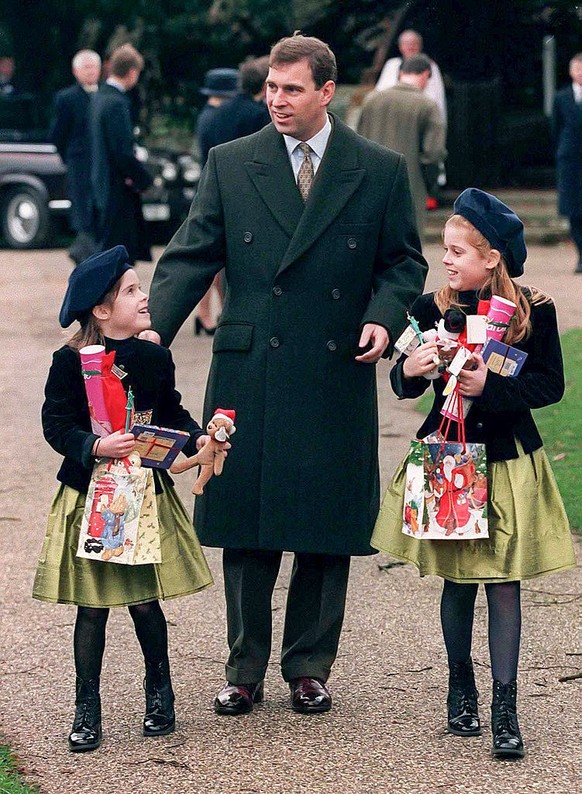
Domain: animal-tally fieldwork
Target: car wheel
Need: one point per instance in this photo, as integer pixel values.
(25, 218)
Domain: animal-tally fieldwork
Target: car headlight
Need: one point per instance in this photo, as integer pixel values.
(190, 168)
(169, 171)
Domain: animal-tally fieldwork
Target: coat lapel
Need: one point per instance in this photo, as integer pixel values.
(336, 180)
(272, 175)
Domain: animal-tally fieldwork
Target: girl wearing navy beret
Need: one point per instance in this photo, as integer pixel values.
(105, 297)
(529, 533)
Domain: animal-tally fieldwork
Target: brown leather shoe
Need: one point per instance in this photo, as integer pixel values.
(309, 696)
(234, 699)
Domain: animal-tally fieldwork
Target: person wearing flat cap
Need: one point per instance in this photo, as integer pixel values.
(104, 297)
(219, 85)
(529, 533)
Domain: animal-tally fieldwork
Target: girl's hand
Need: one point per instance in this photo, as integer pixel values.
(421, 361)
(117, 445)
(472, 381)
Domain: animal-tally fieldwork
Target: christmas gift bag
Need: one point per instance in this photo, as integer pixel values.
(120, 519)
(446, 488)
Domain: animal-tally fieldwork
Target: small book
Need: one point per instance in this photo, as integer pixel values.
(158, 447)
(503, 359)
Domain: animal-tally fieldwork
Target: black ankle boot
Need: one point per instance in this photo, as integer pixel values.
(507, 741)
(160, 718)
(86, 731)
(463, 714)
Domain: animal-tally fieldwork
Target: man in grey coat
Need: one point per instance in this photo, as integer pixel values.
(403, 118)
(315, 228)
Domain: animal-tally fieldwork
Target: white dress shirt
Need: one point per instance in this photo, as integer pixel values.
(317, 145)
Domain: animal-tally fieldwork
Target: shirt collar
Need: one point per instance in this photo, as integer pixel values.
(317, 143)
(116, 84)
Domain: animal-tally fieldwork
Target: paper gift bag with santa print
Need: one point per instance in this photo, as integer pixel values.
(453, 504)
(120, 523)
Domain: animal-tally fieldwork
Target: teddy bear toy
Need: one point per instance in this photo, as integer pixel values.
(211, 456)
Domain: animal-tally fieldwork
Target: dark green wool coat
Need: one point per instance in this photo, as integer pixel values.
(302, 474)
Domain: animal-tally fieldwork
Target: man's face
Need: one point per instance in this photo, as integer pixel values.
(88, 72)
(576, 71)
(296, 106)
(409, 45)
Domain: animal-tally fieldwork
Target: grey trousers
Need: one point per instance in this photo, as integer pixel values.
(313, 618)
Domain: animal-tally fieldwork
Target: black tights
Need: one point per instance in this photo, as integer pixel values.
(89, 636)
(457, 610)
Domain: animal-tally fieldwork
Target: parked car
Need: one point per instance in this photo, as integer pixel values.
(33, 195)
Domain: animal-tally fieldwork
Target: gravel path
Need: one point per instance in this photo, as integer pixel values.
(385, 733)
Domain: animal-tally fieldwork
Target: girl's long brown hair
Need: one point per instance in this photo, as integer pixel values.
(90, 332)
(499, 283)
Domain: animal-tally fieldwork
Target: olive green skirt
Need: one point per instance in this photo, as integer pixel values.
(64, 578)
(529, 532)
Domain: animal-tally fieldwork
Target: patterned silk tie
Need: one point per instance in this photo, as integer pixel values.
(305, 175)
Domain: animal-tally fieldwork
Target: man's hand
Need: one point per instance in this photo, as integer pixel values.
(377, 337)
(150, 336)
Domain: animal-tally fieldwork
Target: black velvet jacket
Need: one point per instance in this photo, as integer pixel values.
(503, 412)
(65, 412)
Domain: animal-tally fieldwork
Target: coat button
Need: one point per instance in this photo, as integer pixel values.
(336, 294)
(274, 342)
(248, 237)
(479, 425)
(277, 290)
(332, 345)
(352, 242)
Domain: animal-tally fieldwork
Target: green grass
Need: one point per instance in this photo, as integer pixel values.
(11, 781)
(560, 426)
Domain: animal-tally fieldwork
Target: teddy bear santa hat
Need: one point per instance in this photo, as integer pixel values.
(225, 413)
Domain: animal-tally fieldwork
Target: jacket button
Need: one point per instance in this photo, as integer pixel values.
(332, 345)
(336, 294)
(479, 425)
(352, 242)
(274, 342)
(248, 237)
(277, 290)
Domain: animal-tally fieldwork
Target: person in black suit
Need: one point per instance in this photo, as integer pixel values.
(117, 176)
(567, 130)
(70, 134)
(246, 112)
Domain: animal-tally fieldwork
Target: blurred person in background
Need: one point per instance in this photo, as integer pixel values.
(70, 134)
(567, 130)
(117, 176)
(220, 85)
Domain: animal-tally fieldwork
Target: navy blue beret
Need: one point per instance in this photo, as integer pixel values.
(498, 224)
(90, 281)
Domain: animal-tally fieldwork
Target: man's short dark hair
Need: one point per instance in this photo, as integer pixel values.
(253, 74)
(416, 64)
(296, 48)
(124, 59)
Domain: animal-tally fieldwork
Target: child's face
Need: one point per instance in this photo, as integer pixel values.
(467, 268)
(128, 315)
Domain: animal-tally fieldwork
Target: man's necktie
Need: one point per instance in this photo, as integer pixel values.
(305, 175)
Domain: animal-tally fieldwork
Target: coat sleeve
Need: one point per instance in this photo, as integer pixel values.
(193, 257)
(119, 140)
(540, 381)
(172, 413)
(399, 269)
(65, 413)
(62, 123)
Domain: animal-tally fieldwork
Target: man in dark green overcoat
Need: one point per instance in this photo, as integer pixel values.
(322, 261)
